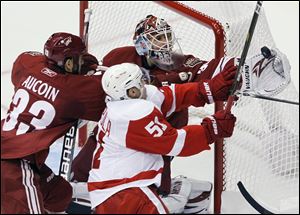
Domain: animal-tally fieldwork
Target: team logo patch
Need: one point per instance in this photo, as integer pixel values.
(191, 62)
(66, 41)
(48, 72)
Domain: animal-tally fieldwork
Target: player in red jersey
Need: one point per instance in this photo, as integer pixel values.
(51, 93)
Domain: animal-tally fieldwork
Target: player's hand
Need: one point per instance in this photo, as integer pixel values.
(90, 63)
(217, 89)
(219, 125)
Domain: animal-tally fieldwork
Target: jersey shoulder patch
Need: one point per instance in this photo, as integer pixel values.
(191, 61)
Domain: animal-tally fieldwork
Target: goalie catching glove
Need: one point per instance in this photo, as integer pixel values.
(219, 125)
(266, 74)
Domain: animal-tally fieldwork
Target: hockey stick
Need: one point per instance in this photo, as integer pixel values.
(251, 200)
(70, 137)
(87, 15)
(270, 98)
(243, 57)
(68, 152)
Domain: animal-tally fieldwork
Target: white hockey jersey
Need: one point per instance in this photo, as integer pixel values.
(133, 136)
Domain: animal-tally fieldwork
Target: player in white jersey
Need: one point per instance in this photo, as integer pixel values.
(134, 134)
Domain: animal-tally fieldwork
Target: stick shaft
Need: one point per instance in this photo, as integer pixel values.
(244, 55)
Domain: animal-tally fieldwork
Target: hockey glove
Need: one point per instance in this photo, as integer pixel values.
(217, 89)
(90, 64)
(219, 125)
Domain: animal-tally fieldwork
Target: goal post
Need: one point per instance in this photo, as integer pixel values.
(263, 152)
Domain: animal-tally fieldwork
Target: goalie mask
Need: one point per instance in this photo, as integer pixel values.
(125, 81)
(62, 46)
(155, 39)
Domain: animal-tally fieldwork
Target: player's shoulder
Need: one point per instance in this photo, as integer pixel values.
(120, 55)
(30, 58)
(123, 50)
(155, 95)
(132, 109)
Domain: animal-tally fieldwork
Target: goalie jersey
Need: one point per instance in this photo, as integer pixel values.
(133, 136)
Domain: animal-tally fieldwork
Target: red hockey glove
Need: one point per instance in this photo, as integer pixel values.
(90, 63)
(219, 125)
(217, 89)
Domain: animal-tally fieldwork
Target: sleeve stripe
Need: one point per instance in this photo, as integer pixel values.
(222, 63)
(179, 143)
(173, 107)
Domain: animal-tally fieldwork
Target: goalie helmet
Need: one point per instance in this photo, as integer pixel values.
(155, 39)
(118, 79)
(61, 46)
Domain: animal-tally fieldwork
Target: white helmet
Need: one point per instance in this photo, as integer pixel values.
(118, 79)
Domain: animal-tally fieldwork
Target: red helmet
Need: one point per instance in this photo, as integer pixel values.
(64, 45)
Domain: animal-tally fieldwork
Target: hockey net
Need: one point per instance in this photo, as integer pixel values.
(263, 152)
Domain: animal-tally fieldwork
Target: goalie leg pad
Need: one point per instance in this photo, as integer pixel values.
(178, 197)
(199, 198)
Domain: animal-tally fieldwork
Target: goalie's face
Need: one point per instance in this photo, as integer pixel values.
(165, 51)
(163, 40)
(155, 39)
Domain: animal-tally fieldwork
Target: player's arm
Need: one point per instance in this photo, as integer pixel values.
(87, 95)
(87, 90)
(177, 97)
(153, 134)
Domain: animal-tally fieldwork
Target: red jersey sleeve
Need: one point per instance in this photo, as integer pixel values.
(87, 95)
(153, 134)
(180, 96)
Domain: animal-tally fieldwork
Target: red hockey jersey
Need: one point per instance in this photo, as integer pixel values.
(45, 105)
